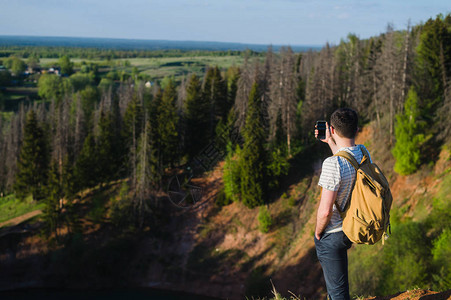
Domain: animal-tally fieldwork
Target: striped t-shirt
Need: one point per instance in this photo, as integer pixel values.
(338, 175)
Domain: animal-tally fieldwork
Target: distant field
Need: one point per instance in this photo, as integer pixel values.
(179, 66)
(158, 68)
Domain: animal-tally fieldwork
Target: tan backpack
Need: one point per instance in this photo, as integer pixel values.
(366, 216)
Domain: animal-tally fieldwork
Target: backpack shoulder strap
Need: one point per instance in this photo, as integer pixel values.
(349, 157)
(365, 152)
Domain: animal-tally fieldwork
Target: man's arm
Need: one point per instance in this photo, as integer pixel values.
(324, 211)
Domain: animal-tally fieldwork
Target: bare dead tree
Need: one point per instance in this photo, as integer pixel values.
(80, 127)
(320, 91)
(244, 87)
(389, 66)
(405, 65)
(445, 114)
(145, 172)
(125, 95)
(283, 94)
(14, 141)
(3, 155)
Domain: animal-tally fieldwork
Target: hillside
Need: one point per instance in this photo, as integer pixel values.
(206, 249)
(417, 294)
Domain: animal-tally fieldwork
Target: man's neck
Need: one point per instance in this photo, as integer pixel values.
(337, 142)
(344, 142)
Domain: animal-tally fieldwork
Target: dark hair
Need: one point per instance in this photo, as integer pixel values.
(345, 122)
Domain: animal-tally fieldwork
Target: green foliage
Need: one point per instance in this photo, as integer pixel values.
(365, 269)
(97, 210)
(107, 148)
(53, 194)
(33, 61)
(441, 253)
(252, 158)
(197, 113)
(121, 209)
(167, 120)
(80, 81)
(16, 65)
(106, 84)
(131, 130)
(401, 264)
(409, 132)
(33, 160)
(5, 78)
(231, 173)
(232, 76)
(89, 98)
(221, 199)
(86, 168)
(434, 56)
(52, 87)
(406, 258)
(67, 67)
(147, 177)
(278, 166)
(215, 93)
(166, 81)
(264, 219)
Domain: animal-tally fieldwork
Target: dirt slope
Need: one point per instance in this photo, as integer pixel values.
(416, 295)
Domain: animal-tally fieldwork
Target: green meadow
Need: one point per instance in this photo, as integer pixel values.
(159, 67)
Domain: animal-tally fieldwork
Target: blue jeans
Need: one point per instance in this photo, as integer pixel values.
(332, 252)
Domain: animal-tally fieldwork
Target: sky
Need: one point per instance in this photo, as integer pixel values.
(276, 22)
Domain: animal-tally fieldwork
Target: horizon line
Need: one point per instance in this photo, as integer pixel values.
(163, 40)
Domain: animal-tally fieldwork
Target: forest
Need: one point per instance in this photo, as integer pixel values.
(87, 131)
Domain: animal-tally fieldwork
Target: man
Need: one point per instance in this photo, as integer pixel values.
(337, 179)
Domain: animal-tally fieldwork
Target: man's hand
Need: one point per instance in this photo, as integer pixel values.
(318, 236)
(328, 135)
(329, 139)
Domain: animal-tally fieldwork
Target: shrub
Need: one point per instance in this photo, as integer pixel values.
(221, 199)
(264, 219)
(231, 174)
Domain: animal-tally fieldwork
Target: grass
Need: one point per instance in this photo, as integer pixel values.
(160, 67)
(278, 296)
(178, 67)
(10, 207)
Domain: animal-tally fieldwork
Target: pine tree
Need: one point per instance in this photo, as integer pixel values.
(434, 56)
(215, 93)
(67, 67)
(197, 112)
(252, 160)
(233, 75)
(409, 132)
(133, 123)
(167, 124)
(154, 131)
(86, 167)
(53, 194)
(33, 160)
(107, 149)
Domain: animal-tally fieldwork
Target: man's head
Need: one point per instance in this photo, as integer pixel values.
(345, 122)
